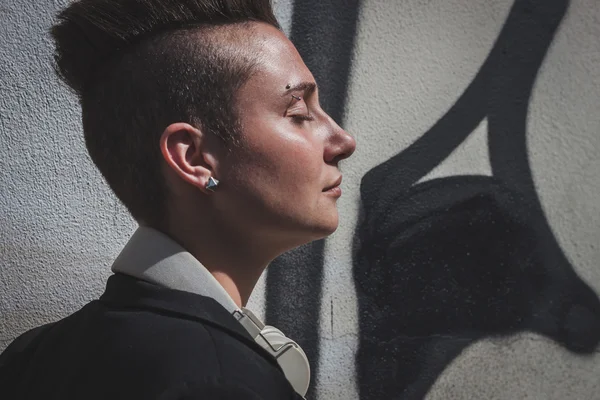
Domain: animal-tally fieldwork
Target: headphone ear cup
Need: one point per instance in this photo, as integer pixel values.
(273, 335)
(290, 357)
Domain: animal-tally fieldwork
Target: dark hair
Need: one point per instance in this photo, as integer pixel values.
(138, 66)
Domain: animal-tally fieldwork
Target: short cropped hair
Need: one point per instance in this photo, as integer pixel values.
(138, 66)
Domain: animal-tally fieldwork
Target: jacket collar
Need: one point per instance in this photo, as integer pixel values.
(125, 291)
(156, 258)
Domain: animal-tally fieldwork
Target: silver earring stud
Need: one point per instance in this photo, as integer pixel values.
(212, 184)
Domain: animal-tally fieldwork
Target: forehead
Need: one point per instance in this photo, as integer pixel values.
(278, 61)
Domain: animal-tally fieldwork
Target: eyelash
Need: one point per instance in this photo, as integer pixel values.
(302, 118)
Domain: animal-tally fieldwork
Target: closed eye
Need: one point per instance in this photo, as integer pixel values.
(302, 118)
(298, 110)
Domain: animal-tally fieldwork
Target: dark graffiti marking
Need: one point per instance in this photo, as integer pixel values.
(441, 264)
(323, 32)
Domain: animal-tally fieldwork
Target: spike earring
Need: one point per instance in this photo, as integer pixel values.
(212, 184)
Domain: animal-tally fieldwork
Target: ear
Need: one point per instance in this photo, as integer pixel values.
(190, 154)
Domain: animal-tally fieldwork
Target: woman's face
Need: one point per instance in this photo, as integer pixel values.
(276, 184)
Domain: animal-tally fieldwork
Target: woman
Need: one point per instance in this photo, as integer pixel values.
(205, 122)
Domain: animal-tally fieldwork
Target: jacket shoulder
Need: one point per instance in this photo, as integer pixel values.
(23, 342)
(196, 357)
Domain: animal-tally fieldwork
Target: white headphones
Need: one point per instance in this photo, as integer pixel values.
(289, 355)
(154, 257)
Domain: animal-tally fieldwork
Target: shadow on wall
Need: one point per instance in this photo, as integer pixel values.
(441, 264)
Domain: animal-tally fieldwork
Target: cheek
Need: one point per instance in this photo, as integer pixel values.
(279, 157)
(299, 167)
(287, 160)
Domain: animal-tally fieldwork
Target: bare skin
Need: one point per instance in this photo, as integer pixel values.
(273, 194)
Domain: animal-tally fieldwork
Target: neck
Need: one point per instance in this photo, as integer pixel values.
(236, 262)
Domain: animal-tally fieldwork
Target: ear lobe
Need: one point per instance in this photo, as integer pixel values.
(186, 151)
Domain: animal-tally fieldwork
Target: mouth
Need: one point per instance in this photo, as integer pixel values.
(334, 188)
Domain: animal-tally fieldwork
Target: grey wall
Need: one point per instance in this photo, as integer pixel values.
(466, 263)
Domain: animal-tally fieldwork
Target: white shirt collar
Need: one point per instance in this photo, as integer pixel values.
(154, 257)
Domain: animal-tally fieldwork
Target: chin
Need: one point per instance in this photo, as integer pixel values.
(310, 229)
(316, 233)
(326, 228)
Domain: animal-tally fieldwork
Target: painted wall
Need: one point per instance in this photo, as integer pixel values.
(466, 263)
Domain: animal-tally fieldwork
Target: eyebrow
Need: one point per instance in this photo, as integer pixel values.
(308, 87)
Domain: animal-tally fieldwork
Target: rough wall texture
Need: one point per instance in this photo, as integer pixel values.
(466, 263)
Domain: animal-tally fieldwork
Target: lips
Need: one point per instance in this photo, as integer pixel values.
(334, 184)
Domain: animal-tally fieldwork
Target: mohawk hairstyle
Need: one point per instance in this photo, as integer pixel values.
(138, 66)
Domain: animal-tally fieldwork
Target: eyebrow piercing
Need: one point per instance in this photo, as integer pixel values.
(297, 97)
(288, 86)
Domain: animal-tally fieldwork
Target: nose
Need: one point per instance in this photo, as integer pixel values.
(340, 144)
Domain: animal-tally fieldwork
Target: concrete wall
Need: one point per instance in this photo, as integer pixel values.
(466, 263)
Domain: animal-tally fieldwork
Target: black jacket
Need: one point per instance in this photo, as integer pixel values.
(142, 341)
